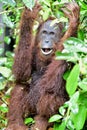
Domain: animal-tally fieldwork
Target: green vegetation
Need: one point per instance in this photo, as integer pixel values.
(73, 114)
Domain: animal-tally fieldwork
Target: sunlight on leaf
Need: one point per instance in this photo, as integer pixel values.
(55, 118)
(5, 71)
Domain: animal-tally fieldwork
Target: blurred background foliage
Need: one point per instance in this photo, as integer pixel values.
(73, 114)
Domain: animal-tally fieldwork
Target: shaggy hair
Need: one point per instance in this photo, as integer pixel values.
(40, 88)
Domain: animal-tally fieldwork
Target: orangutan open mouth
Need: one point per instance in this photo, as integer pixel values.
(46, 51)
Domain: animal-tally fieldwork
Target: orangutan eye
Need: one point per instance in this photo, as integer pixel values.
(44, 32)
(52, 33)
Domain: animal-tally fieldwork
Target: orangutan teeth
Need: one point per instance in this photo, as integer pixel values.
(46, 51)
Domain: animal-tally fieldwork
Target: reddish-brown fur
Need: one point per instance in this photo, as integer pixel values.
(45, 93)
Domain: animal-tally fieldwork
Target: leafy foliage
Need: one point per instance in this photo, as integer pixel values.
(29, 121)
(73, 114)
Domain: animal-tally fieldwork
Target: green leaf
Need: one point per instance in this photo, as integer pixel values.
(1, 51)
(74, 108)
(1, 31)
(2, 86)
(73, 57)
(83, 98)
(29, 3)
(55, 3)
(62, 126)
(72, 80)
(7, 40)
(10, 2)
(75, 45)
(83, 5)
(62, 110)
(45, 12)
(46, 2)
(79, 119)
(62, 56)
(81, 34)
(11, 78)
(5, 71)
(4, 108)
(70, 125)
(74, 98)
(59, 0)
(55, 127)
(3, 60)
(29, 120)
(66, 74)
(55, 118)
(83, 84)
(7, 21)
(9, 54)
(73, 102)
